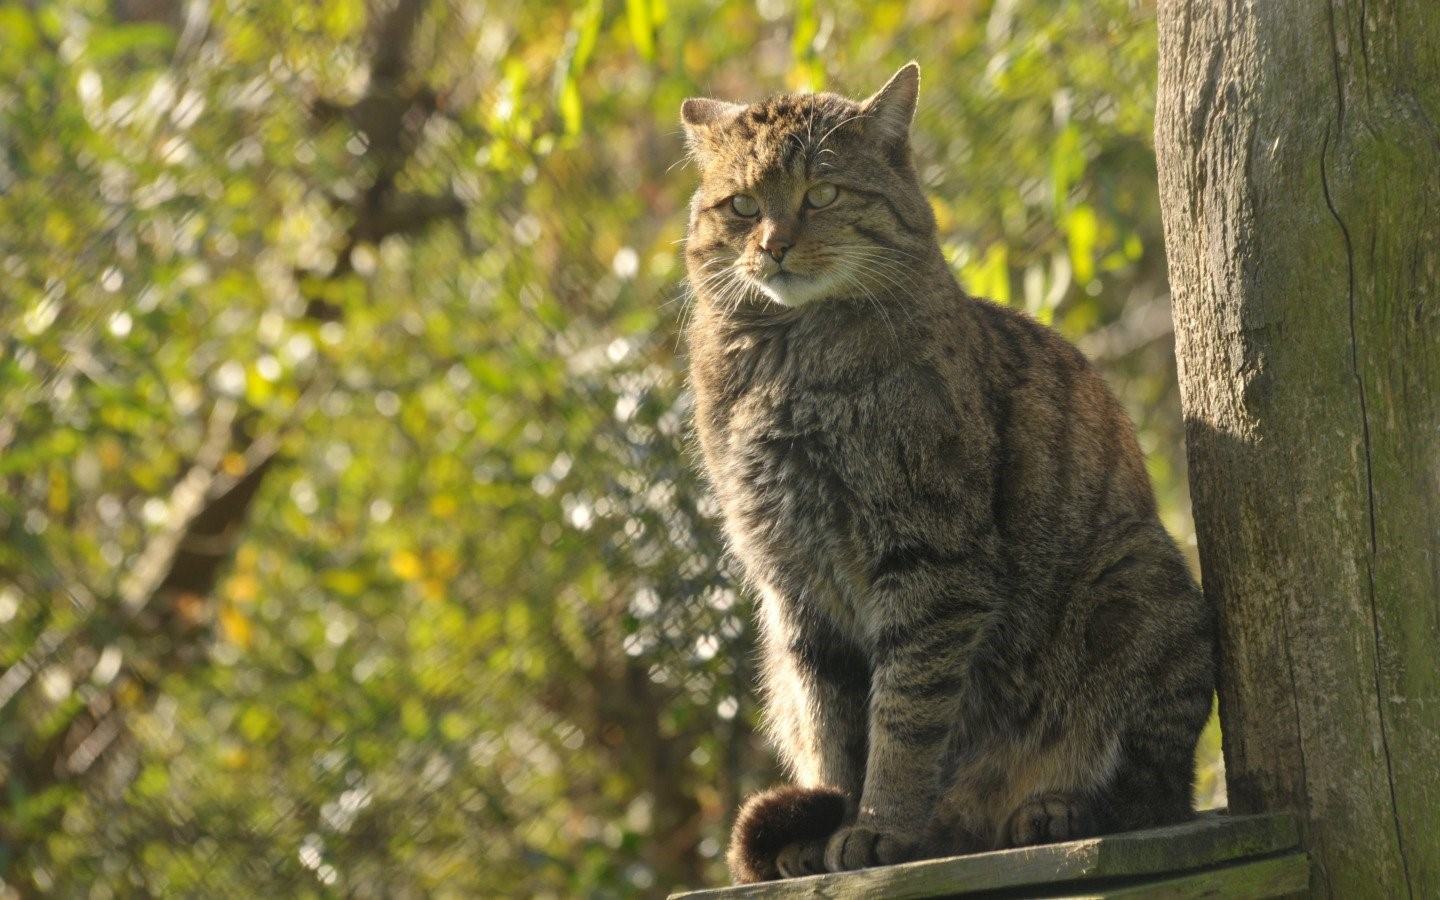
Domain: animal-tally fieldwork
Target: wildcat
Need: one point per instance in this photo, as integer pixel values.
(975, 631)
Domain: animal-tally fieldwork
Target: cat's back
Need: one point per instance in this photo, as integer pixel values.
(1066, 452)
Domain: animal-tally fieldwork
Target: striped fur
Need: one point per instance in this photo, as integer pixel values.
(974, 626)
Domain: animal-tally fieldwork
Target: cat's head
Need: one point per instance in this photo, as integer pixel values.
(806, 197)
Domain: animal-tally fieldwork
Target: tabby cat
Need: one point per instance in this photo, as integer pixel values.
(976, 632)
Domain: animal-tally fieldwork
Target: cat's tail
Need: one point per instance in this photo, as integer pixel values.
(771, 820)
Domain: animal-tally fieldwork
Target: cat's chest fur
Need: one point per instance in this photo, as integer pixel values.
(815, 438)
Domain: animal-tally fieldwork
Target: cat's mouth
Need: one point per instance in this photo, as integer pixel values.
(790, 288)
(782, 284)
(781, 274)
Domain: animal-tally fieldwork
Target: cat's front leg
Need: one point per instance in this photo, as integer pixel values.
(816, 711)
(817, 684)
(920, 671)
(826, 744)
(909, 729)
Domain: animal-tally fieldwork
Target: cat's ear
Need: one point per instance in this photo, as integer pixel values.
(890, 109)
(702, 112)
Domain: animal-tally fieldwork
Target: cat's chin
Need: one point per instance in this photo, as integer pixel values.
(792, 289)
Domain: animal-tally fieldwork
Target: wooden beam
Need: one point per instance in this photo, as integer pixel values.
(1230, 856)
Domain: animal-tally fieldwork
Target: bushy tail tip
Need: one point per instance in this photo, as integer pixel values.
(771, 820)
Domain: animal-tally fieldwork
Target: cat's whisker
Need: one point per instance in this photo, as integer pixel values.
(879, 248)
(705, 284)
(899, 275)
(886, 264)
(722, 271)
(860, 272)
(845, 121)
(726, 289)
(876, 248)
(871, 268)
(798, 142)
(718, 263)
(902, 278)
(743, 292)
(873, 301)
(812, 158)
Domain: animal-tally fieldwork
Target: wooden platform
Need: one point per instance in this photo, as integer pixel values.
(1217, 855)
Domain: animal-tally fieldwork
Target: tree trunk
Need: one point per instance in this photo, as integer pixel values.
(1299, 160)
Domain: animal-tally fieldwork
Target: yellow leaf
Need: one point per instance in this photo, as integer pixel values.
(944, 218)
(989, 277)
(57, 228)
(234, 758)
(1081, 229)
(572, 109)
(443, 506)
(236, 627)
(444, 563)
(59, 499)
(642, 27)
(406, 565)
(244, 587)
(233, 464)
(344, 582)
(256, 723)
(413, 718)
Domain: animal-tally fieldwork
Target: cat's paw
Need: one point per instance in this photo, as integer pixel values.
(1049, 818)
(862, 846)
(801, 858)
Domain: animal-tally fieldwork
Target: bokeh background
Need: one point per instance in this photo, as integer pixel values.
(351, 541)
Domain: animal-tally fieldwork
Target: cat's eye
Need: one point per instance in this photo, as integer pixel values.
(744, 205)
(822, 194)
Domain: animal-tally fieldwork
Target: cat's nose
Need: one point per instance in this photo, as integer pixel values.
(776, 245)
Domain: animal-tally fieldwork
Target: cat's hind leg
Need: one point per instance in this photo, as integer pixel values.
(1150, 651)
(1136, 689)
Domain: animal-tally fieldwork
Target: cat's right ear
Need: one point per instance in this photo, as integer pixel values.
(893, 106)
(699, 114)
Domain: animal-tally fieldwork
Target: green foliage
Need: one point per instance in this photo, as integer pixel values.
(474, 632)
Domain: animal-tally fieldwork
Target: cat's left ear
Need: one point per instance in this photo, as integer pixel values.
(700, 113)
(891, 108)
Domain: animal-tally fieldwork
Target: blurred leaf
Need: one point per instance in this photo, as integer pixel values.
(17, 29)
(115, 41)
(990, 276)
(406, 565)
(1081, 230)
(639, 13)
(236, 626)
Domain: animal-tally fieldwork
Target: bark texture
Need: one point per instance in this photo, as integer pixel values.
(1299, 162)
